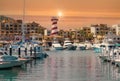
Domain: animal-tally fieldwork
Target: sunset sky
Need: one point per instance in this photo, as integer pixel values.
(91, 9)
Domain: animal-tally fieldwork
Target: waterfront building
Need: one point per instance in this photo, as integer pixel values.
(117, 28)
(87, 30)
(111, 37)
(100, 30)
(11, 29)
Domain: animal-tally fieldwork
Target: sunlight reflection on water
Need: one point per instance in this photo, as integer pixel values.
(64, 66)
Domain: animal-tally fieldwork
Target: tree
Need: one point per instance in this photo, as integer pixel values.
(82, 35)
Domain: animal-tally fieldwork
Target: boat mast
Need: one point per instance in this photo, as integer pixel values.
(23, 21)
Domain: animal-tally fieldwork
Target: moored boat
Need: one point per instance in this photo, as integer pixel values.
(56, 45)
(8, 61)
(68, 45)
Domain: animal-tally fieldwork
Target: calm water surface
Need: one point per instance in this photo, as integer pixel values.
(64, 66)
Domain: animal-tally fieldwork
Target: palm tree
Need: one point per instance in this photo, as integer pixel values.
(82, 35)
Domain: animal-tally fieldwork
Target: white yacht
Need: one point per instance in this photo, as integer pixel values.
(56, 45)
(69, 45)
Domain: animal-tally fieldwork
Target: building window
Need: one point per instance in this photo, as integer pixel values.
(11, 25)
(7, 28)
(15, 31)
(2, 31)
(32, 25)
(32, 28)
(32, 32)
(28, 26)
(11, 31)
(7, 32)
(11, 28)
(15, 28)
(28, 32)
(19, 25)
(7, 25)
(97, 29)
(84, 29)
(15, 25)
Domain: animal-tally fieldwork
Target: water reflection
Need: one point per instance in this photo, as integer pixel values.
(111, 72)
(72, 67)
(10, 74)
(64, 66)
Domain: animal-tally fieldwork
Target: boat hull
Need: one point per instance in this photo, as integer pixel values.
(97, 50)
(117, 62)
(104, 58)
(82, 48)
(4, 65)
(71, 47)
(59, 48)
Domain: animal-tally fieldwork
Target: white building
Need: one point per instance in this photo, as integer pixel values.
(117, 27)
(111, 37)
(94, 30)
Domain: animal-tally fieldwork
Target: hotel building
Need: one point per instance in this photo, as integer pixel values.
(117, 28)
(12, 30)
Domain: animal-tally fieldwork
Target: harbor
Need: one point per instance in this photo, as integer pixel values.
(60, 60)
(57, 40)
(64, 66)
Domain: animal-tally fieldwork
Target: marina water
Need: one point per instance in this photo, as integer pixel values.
(64, 66)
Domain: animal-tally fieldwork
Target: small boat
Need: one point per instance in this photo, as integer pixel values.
(7, 61)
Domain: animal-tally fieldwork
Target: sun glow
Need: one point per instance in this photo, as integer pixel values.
(60, 14)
